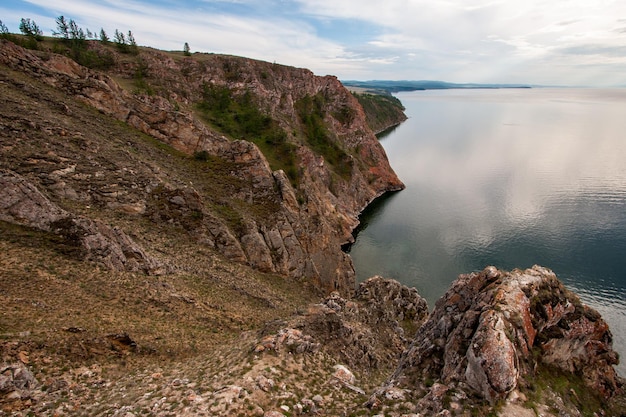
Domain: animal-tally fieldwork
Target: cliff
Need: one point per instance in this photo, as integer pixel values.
(383, 111)
(518, 339)
(289, 207)
(170, 235)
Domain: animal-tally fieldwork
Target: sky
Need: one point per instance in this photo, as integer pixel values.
(556, 42)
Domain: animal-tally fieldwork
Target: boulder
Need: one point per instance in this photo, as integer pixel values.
(22, 203)
(17, 384)
(492, 329)
(367, 333)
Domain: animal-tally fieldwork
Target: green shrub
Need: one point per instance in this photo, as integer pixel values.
(239, 117)
(380, 109)
(311, 113)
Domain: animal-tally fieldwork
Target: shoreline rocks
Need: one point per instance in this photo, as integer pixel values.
(491, 332)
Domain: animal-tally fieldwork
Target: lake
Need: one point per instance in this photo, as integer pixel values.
(511, 178)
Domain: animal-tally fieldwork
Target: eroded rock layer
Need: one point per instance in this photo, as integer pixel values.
(290, 223)
(492, 329)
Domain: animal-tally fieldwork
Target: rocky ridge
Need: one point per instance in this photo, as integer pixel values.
(181, 321)
(22, 203)
(493, 331)
(483, 350)
(303, 235)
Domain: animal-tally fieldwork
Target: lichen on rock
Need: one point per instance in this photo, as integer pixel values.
(22, 203)
(492, 329)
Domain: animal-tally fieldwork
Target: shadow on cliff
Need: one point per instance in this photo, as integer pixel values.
(369, 215)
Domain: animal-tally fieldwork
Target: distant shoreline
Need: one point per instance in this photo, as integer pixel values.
(390, 87)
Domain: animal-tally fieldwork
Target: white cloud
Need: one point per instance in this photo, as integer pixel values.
(456, 40)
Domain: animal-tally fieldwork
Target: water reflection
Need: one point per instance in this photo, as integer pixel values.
(370, 215)
(387, 132)
(507, 178)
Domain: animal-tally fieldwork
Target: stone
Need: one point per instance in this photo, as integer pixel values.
(273, 414)
(264, 383)
(17, 383)
(121, 342)
(229, 393)
(482, 332)
(394, 394)
(22, 203)
(343, 374)
(308, 406)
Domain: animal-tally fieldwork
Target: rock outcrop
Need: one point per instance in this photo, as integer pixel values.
(303, 223)
(16, 386)
(23, 204)
(491, 331)
(368, 332)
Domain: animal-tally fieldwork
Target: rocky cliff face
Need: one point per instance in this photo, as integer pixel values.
(124, 170)
(22, 203)
(492, 332)
(276, 223)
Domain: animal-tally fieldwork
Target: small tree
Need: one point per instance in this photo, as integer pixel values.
(62, 28)
(29, 28)
(104, 38)
(120, 39)
(186, 50)
(77, 34)
(4, 31)
(132, 43)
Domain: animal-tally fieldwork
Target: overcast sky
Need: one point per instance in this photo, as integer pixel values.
(550, 42)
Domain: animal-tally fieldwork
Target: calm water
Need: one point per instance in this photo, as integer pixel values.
(509, 178)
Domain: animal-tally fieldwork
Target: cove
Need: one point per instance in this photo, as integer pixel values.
(510, 178)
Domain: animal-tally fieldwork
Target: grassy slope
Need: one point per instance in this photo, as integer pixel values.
(382, 111)
(45, 288)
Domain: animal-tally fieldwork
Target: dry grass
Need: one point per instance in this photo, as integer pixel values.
(58, 312)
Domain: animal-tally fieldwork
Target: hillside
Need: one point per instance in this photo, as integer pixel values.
(128, 211)
(171, 231)
(291, 207)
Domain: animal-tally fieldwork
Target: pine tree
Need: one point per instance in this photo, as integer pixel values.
(77, 34)
(3, 29)
(63, 28)
(29, 28)
(104, 38)
(120, 39)
(186, 50)
(132, 43)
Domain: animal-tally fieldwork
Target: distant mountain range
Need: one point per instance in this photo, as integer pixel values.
(406, 85)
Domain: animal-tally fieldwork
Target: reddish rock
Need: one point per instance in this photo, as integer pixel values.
(491, 329)
(314, 220)
(22, 203)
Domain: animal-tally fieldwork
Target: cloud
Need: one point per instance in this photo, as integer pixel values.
(455, 40)
(597, 50)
